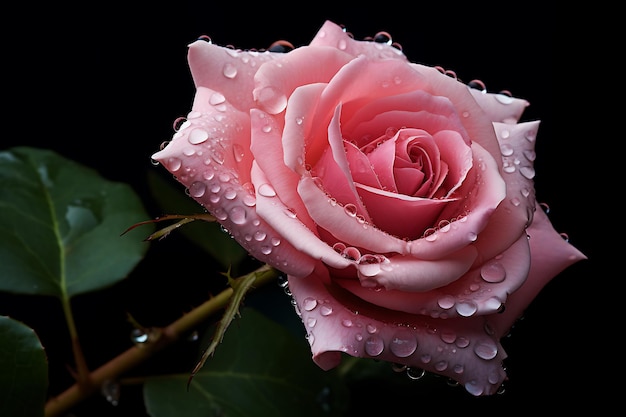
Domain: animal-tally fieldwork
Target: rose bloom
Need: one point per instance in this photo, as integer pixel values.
(398, 200)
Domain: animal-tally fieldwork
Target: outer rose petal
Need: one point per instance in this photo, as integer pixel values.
(208, 157)
(228, 71)
(550, 255)
(500, 107)
(333, 35)
(458, 348)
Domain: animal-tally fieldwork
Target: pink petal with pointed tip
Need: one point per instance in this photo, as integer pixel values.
(331, 34)
(276, 81)
(515, 213)
(550, 255)
(228, 71)
(500, 107)
(336, 325)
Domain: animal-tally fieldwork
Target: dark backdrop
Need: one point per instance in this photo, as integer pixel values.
(101, 83)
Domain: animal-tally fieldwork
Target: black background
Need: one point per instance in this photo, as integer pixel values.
(101, 83)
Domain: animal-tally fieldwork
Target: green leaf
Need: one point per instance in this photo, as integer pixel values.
(23, 370)
(61, 225)
(207, 235)
(260, 369)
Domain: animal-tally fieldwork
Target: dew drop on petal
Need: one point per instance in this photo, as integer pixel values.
(493, 272)
(271, 100)
(309, 303)
(238, 215)
(229, 71)
(486, 350)
(197, 189)
(374, 345)
(403, 344)
(466, 308)
(267, 190)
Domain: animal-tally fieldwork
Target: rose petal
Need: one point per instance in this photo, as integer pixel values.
(484, 189)
(473, 117)
(229, 71)
(334, 171)
(291, 229)
(268, 155)
(277, 80)
(405, 273)
(515, 213)
(550, 254)
(457, 348)
(359, 82)
(331, 34)
(400, 215)
(417, 109)
(343, 225)
(500, 107)
(483, 290)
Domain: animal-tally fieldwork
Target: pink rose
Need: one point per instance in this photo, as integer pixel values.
(399, 201)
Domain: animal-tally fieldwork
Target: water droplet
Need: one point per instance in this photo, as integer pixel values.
(326, 310)
(291, 213)
(374, 345)
(403, 344)
(383, 37)
(271, 100)
(309, 303)
(528, 172)
(448, 336)
(446, 302)
(493, 272)
(478, 85)
(346, 322)
(217, 98)
(441, 366)
(229, 71)
(197, 189)
(462, 342)
(466, 308)
(311, 321)
(473, 388)
(415, 373)
(266, 190)
(350, 209)
(503, 98)
(238, 215)
(486, 350)
(173, 164)
(111, 391)
(281, 46)
(178, 123)
(506, 149)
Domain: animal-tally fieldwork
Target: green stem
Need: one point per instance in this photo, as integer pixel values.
(134, 356)
(82, 371)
